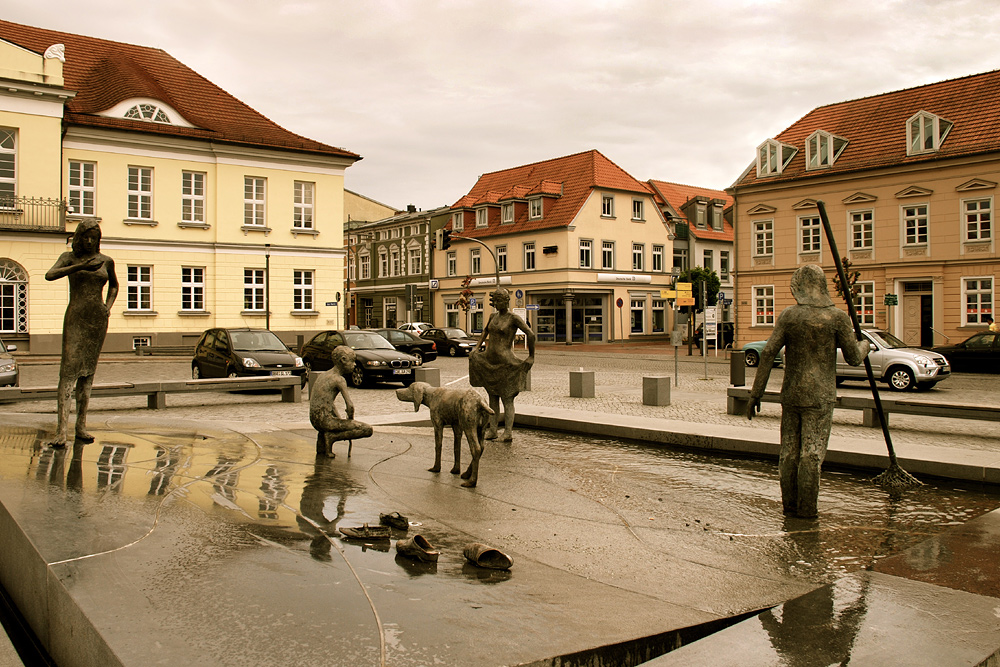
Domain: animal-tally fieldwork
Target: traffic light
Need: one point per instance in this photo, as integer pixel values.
(445, 239)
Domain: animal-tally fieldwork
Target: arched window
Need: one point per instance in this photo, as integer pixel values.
(13, 297)
(149, 112)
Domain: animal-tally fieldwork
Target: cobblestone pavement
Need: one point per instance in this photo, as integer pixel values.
(699, 395)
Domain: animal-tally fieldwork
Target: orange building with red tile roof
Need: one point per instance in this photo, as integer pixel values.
(909, 180)
(214, 214)
(573, 237)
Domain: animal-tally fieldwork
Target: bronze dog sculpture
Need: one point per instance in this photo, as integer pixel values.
(464, 410)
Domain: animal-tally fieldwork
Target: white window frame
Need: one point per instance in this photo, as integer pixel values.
(507, 213)
(303, 290)
(82, 187)
(658, 314)
(861, 227)
(193, 197)
(638, 256)
(535, 208)
(395, 266)
(416, 263)
(140, 193)
(303, 206)
(383, 263)
(773, 156)
(253, 290)
(864, 302)
(458, 221)
(763, 238)
(915, 224)
(482, 218)
(925, 133)
(763, 305)
(608, 255)
(452, 263)
(139, 287)
(254, 201)
(637, 325)
(823, 149)
(528, 256)
(977, 298)
(978, 222)
(638, 210)
(586, 253)
(657, 259)
(724, 264)
(8, 147)
(708, 259)
(366, 266)
(607, 206)
(810, 234)
(193, 288)
(501, 251)
(475, 262)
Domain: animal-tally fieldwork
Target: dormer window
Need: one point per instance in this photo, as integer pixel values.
(773, 156)
(535, 208)
(457, 221)
(822, 149)
(482, 217)
(925, 133)
(149, 112)
(507, 214)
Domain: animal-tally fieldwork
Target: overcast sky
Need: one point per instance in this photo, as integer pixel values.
(433, 93)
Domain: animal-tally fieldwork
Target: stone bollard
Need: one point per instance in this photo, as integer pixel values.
(431, 376)
(656, 390)
(737, 368)
(581, 384)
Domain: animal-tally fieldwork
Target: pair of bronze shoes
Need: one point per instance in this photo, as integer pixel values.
(476, 553)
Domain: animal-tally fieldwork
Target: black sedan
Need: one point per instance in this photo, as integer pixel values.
(415, 346)
(377, 360)
(977, 354)
(450, 340)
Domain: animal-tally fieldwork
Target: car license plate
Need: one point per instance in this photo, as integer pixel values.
(401, 371)
(281, 372)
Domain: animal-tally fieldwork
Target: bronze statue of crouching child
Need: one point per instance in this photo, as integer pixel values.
(323, 413)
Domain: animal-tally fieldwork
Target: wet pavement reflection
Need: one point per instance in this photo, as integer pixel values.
(560, 504)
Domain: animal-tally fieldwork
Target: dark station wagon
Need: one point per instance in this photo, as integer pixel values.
(376, 359)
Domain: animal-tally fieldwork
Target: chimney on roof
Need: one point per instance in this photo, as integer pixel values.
(410, 208)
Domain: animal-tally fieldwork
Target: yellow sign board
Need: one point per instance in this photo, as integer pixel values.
(685, 301)
(684, 289)
(668, 294)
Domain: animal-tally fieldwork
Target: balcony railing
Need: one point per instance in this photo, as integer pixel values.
(32, 213)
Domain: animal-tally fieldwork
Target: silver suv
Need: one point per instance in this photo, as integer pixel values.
(896, 363)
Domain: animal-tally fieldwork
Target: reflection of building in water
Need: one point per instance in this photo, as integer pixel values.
(273, 493)
(224, 482)
(111, 465)
(167, 463)
(323, 503)
(50, 466)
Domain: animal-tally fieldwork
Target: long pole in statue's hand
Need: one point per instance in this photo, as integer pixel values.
(894, 477)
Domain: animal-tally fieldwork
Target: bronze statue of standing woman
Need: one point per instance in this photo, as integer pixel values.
(84, 325)
(493, 366)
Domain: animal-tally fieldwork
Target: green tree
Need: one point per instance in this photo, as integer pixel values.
(852, 280)
(696, 276)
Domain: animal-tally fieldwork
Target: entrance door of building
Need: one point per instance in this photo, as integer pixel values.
(918, 313)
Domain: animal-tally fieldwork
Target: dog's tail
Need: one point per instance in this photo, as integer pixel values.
(484, 407)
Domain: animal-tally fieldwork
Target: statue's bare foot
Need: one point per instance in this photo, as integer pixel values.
(58, 443)
(490, 435)
(506, 437)
(83, 436)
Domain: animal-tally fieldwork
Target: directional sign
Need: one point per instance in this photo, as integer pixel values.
(532, 306)
(684, 289)
(668, 294)
(685, 301)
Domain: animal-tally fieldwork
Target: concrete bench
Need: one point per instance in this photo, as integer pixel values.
(166, 350)
(736, 404)
(156, 392)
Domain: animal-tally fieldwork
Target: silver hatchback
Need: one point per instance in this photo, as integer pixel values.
(894, 362)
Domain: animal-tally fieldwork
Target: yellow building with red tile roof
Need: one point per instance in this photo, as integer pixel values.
(571, 238)
(214, 215)
(909, 180)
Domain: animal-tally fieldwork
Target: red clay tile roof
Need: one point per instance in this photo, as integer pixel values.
(104, 73)
(564, 183)
(676, 195)
(875, 127)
